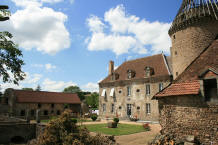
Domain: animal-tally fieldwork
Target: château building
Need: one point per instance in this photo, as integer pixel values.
(127, 91)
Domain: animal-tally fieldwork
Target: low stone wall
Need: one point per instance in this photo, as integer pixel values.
(202, 122)
(22, 131)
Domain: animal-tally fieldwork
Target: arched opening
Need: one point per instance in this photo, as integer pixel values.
(17, 139)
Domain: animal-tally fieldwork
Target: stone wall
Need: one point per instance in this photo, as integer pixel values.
(187, 44)
(23, 132)
(137, 99)
(190, 119)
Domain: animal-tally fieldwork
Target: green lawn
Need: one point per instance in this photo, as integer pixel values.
(122, 129)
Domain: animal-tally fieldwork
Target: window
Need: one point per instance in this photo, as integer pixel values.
(52, 111)
(175, 52)
(58, 112)
(177, 73)
(210, 90)
(104, 107)
(138, 90)
(120, 107)
(128, 91)
(120, 91)
(32, 112)
(39, 105)
(129, 75)
(45, 112)
(52, 105)
(149, 71)
(112, 108)
(160, 86)
(22, 113)
(148, 108)
(174, 36)
(148, 89)
(138, 108)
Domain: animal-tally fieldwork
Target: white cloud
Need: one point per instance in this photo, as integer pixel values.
(49, 66)
(26, 3)
(39, 28)
(56, 86)
(31, 79)
(122, 33)
(91, 87)
(72, 1)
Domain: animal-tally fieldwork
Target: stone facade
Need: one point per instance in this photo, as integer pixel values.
(187, 44)
(26, 104)
(138, 100)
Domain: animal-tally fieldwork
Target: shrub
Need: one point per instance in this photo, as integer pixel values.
(63, 131)
(94, 117)
(112, 124)
(146, 127)
(74, 120)
(116, 120)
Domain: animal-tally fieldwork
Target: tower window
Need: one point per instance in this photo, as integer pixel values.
(175, 52)
(210, 90)
(177, 73)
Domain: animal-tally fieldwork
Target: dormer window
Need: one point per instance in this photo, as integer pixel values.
(130, 74)
(114, 76)
(149, 71)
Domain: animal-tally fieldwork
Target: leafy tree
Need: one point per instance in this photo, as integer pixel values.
(75, 89)
(28, 89)
(38, 88)
(92, 100)
(64, 131)
(72, 89)
(9, 54)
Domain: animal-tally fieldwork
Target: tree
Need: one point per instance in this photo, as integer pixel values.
(28, 89)
(75, 89)
(72, 89)
(38, 88)
(10, 62)
(92, 100)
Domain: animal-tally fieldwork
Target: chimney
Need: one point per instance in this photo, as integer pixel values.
(111, 67)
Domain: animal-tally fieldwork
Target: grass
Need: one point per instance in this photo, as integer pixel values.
(79, 120)
(122, 129)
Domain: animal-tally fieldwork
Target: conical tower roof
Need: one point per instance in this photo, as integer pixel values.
(194, 11)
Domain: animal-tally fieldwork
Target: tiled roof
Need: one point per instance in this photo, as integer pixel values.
(206, 60)
(188, 88)
(45, 97)
(157, 62)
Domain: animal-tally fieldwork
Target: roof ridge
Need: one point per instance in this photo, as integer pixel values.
(142, 58)
(43, 91)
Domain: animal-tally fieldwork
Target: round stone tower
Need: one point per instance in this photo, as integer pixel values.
(194, 28)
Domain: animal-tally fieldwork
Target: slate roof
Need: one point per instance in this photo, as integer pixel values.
(187, 88)
(45, 97)
(158, 62)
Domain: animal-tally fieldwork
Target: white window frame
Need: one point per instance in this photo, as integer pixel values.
(104, 107)
(112, 92)
(160, 87)
(103, 93)
(148, 108)
(128, 91)
(148, 89)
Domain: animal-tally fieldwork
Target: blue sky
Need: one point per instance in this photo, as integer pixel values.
(70, 42)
